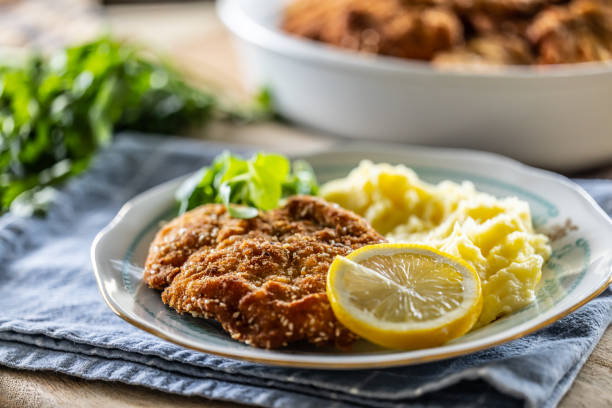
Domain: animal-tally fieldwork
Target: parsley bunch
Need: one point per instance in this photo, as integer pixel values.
(55, 112)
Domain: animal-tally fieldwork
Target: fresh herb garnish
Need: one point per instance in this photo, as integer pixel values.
(56, 112)
(258, 183)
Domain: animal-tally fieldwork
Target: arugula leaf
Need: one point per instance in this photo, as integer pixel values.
(258, 183)
(267, 172)
(235, 211)
(192, 192)
(304, 180)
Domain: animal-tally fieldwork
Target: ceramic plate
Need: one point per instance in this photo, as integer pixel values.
(580, 266)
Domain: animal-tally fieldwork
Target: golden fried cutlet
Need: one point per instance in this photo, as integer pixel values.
(263, 278)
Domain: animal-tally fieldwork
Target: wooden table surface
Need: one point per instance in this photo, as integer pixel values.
(191, 34)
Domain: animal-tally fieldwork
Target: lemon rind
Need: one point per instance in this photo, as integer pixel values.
(406, 334)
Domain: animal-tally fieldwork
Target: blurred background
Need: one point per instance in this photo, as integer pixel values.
(185, 32)
(74, 73)
(542, 121)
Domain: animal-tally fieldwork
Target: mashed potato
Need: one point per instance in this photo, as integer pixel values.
(494, 235)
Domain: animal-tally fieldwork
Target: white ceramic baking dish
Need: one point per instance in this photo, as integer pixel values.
(558, 117)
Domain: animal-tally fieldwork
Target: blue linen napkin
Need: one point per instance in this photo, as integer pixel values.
(53, 318)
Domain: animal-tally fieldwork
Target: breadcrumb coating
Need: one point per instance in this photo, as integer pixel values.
(263, 278)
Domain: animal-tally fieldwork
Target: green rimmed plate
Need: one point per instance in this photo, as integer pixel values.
(580, 266)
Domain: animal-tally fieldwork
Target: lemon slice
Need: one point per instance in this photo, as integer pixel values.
(404, 296)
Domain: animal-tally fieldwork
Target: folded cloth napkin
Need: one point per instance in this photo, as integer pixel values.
(53, 317)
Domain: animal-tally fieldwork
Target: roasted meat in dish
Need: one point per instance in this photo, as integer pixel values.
(387, 27)
(578, 32)
(461, 32)
(499, 7)
(263, 278)
(488, 50)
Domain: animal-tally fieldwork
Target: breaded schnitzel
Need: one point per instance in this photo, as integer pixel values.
(263, 278)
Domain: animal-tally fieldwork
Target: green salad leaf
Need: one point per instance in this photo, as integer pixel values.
(56, 111)
(246, 186)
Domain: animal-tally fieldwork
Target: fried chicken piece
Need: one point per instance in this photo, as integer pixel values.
(578, 32)
(484, 24)
(501, 7)
(493, 8)
(387, 27)
(493, 40)
(263, 278)
(495, 49)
